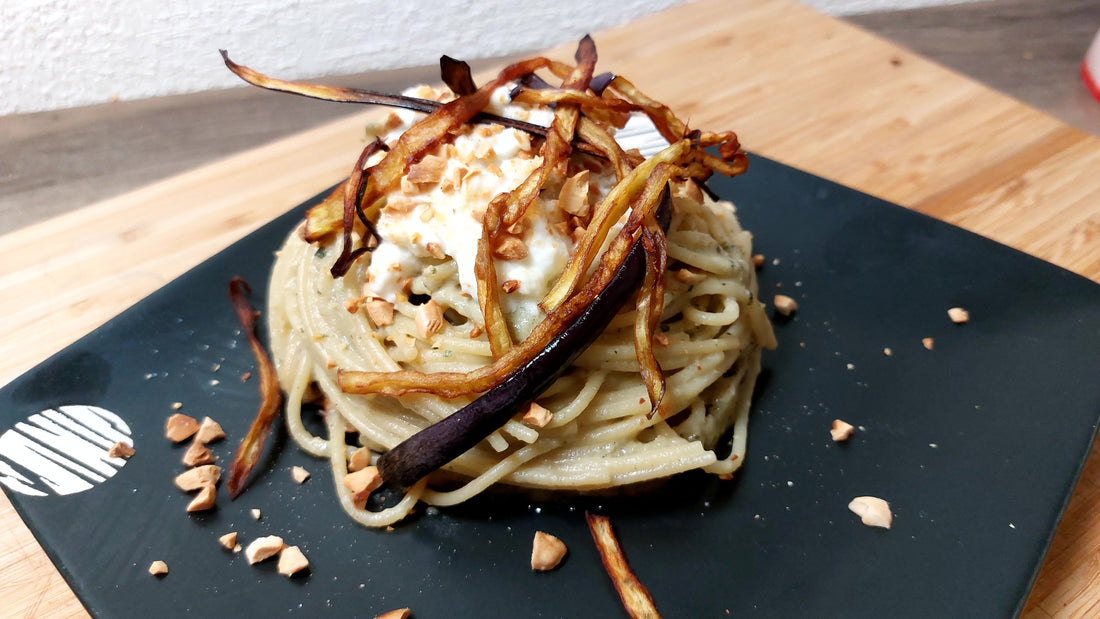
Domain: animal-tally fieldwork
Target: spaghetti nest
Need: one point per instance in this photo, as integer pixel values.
(600, 435)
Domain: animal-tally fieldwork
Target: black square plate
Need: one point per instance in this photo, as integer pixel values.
(976, 444)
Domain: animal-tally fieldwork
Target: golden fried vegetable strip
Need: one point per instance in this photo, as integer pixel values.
(488, 297)
(248, 453)
(636, 598)
(651, 301)
(546, 96)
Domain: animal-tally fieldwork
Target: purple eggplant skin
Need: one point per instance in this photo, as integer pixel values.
(429, 449)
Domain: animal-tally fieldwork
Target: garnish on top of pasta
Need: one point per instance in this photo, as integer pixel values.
(500, 294)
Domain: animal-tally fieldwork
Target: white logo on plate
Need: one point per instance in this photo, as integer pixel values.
(62, 451)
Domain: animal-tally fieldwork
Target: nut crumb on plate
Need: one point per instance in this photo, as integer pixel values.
(958, 315)
(291, 561)
(204, 500)
(362, 483)
(158, 568)
(197, 454)
(120, 450)
(196, 478)
(359, 459)
(209, 431)
(872, 511)
(255, 513)
(547, 552)
(537, 416)
(400, 613)
(299, 474)
(180, 427)
(785, 305)
(841, 430)
(229, 540)
(928, 343)
(263, 548)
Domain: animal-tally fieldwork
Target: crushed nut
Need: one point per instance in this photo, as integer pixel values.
(785, 305)
(427, 170)
(177, 405)
(509, 286)
(475, 332)
(291, 561)
(398, 205)
(546, 552)
(255, 513)
(197, 454)
(841, 430)
(873, 511)
(958, 315)
(196, 478)
(204, 500)
(758, 260)
(180, 427)
(352, 305)
(400, 613)
(573, 198)
(263, 548)
(158, 568)
(510, 248)
(380, 312)
(685, 276)
(435, 251)
(120, 450)
(537, 416)
(299, 474)
(229, 540)
(359, 459)
(661, 339)
(928, 343)
(887, 351)
(209, 431)
(429, 319)
(361, 483)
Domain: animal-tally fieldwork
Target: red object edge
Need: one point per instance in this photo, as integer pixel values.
(1089, 80)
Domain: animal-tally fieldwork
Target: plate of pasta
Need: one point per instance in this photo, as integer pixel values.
(610, 345)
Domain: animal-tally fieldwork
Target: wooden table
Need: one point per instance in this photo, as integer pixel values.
(797, 86)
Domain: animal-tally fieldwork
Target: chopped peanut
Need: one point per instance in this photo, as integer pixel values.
(400, 613)
(209, 431)
(120, 450)
(841, 430)
(180, 427)
(361, 483)
(196, 478)
(758, 260)
(546, 552)
(255, 513)
(204, 500)
(685, 276)
(573, 198)
(177, 405)
(510, 248)
(887, 351)
(537, 416)
(229, 540)
(435, 251)
(158, 568)
(359, 459)
(873, 511)
(509, 286)
(928, 343)
(958, 315)
(661, 339)
(427, 170)
(352, 305)
(429, 319)
(380, 312)
(785, 305)
(299, 474)
(291, 561)
(197, 454)
(475, 332)
(263, 548)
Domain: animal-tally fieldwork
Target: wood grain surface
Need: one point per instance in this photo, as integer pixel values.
(797, 86)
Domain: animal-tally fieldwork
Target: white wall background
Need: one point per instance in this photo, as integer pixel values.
(65, 53)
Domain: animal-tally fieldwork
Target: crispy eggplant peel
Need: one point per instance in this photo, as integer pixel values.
(588, 108)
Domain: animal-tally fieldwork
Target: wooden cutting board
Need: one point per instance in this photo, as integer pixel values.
(797, 86)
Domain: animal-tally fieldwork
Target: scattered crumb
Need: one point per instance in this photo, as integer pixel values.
(547, 552)
(775, 261)
(958, 315)
(196, 478)
(758, 260)
(204, 500)
(291, 561)
(928, 343)
(872, 511)
(841, 430)
(299, 474)
(851, 366)
(785, 305)
(887, 352)
(246, 376)
(197, 454)
(177, 405)
(255, 513)
(361, 483)
(263, 548)
(229, 540)
(209, 431)
(120, 450)
(158, 568)
(359, 459)
(537, 416)
(400, 613)
(180, 427)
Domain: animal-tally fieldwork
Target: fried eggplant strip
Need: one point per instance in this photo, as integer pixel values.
(248, 453)
(651, 298)
(549, 96)
(635, 597)
(454, 384)
(456, 75)
(353, 188)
